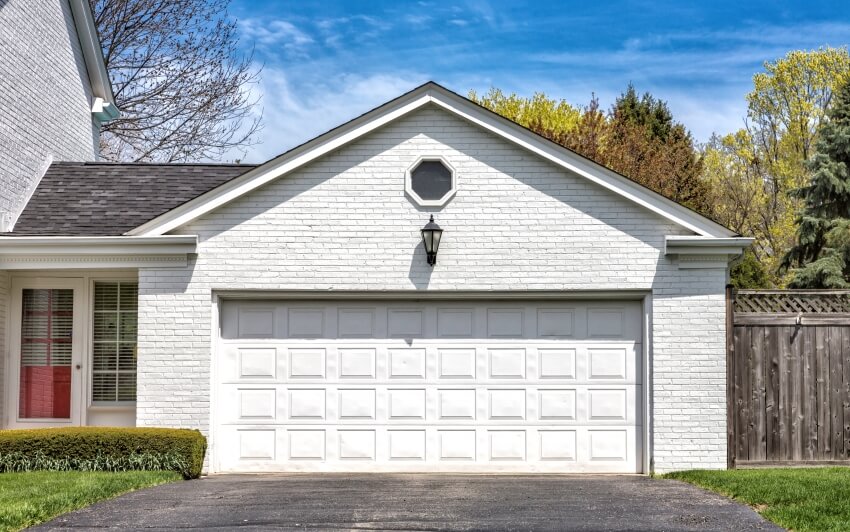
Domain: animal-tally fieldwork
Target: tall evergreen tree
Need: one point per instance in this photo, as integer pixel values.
(821, 256)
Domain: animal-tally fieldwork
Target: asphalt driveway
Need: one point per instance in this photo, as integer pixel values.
(419, 502)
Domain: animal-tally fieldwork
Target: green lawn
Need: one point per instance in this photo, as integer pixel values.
(30, 498)
(799, 499)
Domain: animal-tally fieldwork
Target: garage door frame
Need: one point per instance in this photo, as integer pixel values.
(218, 296)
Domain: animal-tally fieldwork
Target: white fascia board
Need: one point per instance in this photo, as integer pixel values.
(700, 245)
(580, 165)
(57, 252)
(432, 93)
(93, 56)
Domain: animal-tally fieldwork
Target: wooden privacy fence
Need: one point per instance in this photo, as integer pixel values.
(788, 377)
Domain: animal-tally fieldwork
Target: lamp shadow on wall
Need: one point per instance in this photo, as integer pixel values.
(420, 271)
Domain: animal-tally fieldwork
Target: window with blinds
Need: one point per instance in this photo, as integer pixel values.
(116, 305)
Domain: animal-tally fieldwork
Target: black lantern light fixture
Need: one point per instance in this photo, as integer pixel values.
(431, 234)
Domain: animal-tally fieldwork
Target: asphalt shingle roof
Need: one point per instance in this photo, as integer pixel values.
(102, 199)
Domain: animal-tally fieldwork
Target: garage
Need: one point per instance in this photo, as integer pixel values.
(548, 386)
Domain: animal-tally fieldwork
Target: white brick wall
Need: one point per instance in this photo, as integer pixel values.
(45, 97)
(4, 303)
(516, 223)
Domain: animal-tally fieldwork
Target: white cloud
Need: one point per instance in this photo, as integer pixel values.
(296, 112)
(275, 32)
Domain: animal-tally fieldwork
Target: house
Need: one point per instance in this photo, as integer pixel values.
(570, 321)
(54, 94)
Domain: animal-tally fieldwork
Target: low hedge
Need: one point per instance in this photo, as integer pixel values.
(103, 449)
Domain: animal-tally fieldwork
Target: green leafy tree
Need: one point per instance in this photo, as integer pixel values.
(638, 138)
(821, 256)
(752, 171)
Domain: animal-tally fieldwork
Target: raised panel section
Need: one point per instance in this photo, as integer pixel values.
(406, 404)
(507, 363)
(306, 323)
(605, 323)
(507, 404)
(455, 323)
(356, 444)
(555, 323)
(356, 323)
(259, 363)
(357, 404)
(307, 363)
(256, 444)
(456, 404)
(405, 323)
(504, 323)
(507, 444)
(255, 322)
(257, 404)
(557, 445)
(557, 363)
(456, 444)
(306, 444)
(407, 445)
(607, 363)
(557, 404)
(407, 363)
(457, 363)
(356, 363)
(608, 444)
(607, 404)
(307, 404)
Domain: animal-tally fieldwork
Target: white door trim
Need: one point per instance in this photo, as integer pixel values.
(78, 341)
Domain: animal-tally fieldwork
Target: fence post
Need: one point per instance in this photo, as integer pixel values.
(730, 377)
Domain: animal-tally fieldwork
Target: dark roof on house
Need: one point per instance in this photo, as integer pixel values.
(104, 199)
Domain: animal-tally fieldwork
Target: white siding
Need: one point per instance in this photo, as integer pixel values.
(45, 97)
(516, 223)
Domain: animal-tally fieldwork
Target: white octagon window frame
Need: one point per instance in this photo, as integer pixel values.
(408, 181)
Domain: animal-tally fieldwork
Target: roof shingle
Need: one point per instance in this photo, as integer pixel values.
(102, 199)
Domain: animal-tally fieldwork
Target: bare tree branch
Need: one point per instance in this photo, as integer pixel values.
(181, 82)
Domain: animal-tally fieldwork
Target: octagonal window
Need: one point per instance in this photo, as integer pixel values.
(431, 181)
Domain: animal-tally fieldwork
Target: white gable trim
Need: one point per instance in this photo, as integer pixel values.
(459, 106)
(103, 106)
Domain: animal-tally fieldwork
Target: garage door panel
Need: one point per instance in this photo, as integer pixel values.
(429, 387)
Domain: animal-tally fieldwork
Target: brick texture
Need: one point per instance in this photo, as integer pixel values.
(45, 97)
(516, 223)
(4, 338)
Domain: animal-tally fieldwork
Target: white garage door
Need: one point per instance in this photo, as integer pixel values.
(472, 386)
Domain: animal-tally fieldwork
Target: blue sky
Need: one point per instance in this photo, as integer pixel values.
(324, 62)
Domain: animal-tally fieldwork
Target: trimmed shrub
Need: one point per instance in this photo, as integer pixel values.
(103, 449)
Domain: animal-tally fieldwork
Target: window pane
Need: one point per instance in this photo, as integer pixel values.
(115, 333)
(127, 356)
(103, 387)
(106, 296)
(431, 180)
(105, 326)
(104, 356)
(45, 370)
(127, 386)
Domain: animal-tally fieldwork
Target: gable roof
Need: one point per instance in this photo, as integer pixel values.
(433, 94)
(102, 199)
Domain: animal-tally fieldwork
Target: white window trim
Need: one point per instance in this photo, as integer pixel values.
(89, 353)
(408, 181)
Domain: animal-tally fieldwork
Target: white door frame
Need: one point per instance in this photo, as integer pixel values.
(77, 349)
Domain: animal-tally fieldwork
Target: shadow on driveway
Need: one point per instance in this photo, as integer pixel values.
(419, 502)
